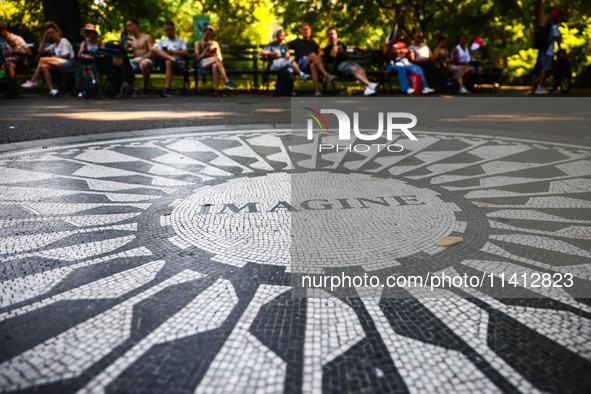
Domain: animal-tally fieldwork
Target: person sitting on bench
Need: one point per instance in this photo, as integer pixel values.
(279, 55)
(208, 55)
(309, 57)
(177, 48)
(397, 52)
(144, 52)
(61, 57)
(337, 51)
(15, 49)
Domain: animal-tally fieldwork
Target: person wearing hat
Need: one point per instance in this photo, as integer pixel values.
(545, 57)
(91, 42)
(89, 46)
(14, 47)
(208, 56)
(61, 56)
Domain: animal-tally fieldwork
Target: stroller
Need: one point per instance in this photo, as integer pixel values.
(8, 83)
(87, 86)
(113, 62)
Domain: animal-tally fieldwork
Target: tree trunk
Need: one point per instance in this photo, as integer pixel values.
(540, 17)
(66, 13)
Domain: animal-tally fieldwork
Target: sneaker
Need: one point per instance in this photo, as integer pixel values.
(304, 76)
(369, 91)
(81, 95)
(329, 77)
(540, 91)
(229, 85)
(216, 93)
(373, 86)
(29, 85)
(145, 93)
(410, 91)
(317, 94)
(53, 92)
(427, 90)
(463, 90)
(165, 93)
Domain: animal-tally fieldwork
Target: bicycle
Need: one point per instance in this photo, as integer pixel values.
(562, 72)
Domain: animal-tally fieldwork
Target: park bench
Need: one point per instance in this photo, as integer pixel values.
(62, 78)
(238, 60)
(65, 78)
(372, 61)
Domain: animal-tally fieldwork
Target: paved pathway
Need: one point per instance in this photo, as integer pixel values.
(160, 262)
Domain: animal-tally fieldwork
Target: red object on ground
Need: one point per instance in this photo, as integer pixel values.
(415, 82)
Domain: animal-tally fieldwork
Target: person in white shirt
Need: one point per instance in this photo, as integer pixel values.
(61, 57)
(421, 55)
(177, 48)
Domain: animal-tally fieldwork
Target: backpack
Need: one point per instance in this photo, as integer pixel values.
(542, 37)
(284, 85)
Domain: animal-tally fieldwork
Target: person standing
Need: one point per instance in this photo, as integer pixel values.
(309, 57)
(545, 57)
(61, 56)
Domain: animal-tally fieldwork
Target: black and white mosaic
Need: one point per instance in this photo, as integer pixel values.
(164, 264)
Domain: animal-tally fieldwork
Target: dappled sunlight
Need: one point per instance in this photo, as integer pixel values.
(516, 118)
(272, 110)
(134, 115)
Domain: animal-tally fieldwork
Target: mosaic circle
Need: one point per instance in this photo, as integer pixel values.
(121, 260)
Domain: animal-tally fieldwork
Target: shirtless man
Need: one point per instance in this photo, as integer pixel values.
(144, 52)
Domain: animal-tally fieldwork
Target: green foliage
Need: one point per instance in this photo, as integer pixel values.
(24, 17)
(507, 26)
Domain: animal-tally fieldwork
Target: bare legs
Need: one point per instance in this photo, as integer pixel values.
(169, 73)
(295, 66)
(146, 66)
(44, 67)
(315, 63)
(360, 75)
(217, 69)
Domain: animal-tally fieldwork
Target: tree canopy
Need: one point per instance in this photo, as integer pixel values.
(507, 26)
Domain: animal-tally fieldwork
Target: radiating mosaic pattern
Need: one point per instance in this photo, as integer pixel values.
(137, 265)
